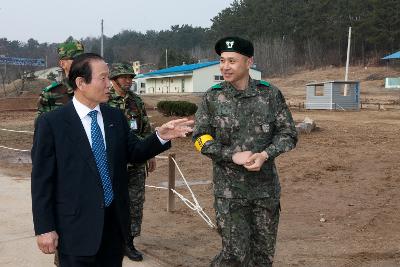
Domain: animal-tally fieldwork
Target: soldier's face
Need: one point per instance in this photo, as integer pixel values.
(234, 66)
(125, 82)
(65, 64)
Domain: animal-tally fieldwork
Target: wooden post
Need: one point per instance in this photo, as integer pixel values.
(171, 183)
(360, 104)
(299, 106)
(379, 106)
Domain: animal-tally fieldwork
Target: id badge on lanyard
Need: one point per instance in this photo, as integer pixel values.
(133, 124)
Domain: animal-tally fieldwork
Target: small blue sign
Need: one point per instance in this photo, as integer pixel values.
(23, 61)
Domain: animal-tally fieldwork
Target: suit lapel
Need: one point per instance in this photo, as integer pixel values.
(78, 137)
(109, 130)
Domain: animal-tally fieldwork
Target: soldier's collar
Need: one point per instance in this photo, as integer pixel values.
(113, 93)
(251, 89)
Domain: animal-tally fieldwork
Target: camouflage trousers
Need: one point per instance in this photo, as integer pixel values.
(136, 188)
(248, 229)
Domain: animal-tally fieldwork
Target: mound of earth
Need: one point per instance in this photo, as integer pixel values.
(24, 88)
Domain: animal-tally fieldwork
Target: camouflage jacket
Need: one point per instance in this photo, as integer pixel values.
(54, 96)
(255, 119)
(134, 110)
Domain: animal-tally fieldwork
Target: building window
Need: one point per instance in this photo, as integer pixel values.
(218, 78)
(142, 85)
(319, 90)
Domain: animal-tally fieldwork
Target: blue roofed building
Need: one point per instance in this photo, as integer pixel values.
(190, 78)
(393, 56)
(392, 82)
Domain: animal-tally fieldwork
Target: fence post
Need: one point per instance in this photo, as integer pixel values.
(171, 183)
(379, 106)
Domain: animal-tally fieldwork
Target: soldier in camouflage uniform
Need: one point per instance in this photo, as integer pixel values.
(243, 125)
(58, 94)
(121, 75)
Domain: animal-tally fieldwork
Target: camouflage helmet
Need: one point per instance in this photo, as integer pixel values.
(118, 69)
(69, 50)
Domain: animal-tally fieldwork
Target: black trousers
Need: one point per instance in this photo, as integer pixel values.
(111, 252)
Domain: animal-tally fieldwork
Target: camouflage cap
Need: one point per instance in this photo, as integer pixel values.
(69, 50)
(118, 69)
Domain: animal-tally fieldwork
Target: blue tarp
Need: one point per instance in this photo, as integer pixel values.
(393, 56)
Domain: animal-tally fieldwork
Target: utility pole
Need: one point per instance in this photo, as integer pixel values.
(346, 76)
(166, 58)
(101, 44)
(4, 79)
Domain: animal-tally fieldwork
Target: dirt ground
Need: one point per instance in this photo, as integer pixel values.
(339, 186)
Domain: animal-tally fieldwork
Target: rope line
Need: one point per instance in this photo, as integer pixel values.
(161, 157)
(193, 206)
(15, 149)
(15, 131)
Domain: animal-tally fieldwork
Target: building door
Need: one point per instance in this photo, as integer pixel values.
(183, 85)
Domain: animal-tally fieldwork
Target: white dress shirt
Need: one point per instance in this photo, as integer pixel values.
(83, 113)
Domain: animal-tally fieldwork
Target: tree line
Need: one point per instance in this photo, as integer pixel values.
(286, 34)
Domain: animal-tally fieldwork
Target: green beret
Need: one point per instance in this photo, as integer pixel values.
(69, 50)
(235, 44)
(118, 69)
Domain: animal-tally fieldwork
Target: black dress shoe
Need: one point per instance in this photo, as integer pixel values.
(132, 253)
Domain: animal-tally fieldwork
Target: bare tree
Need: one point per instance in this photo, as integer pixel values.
(274, 56)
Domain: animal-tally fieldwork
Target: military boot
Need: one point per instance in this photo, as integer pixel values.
(131, 252)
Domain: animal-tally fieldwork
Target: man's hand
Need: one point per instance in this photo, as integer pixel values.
(151, 165)
(255, 161)
(48, 242)
(241, 158)
(175, 129)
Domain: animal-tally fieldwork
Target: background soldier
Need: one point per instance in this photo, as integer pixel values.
(243, 125)
(121, 75)
(59, 93)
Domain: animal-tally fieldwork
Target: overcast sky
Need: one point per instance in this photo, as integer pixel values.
(54, 20)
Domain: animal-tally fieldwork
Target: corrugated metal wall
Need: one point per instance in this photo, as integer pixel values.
(333, 96)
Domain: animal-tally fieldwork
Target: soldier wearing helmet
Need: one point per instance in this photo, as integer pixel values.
(59, 93)
(121, 75)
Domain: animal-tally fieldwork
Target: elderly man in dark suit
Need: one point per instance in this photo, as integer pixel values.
(79, 180)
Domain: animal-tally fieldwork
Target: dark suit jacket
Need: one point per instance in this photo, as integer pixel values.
(67, 194)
